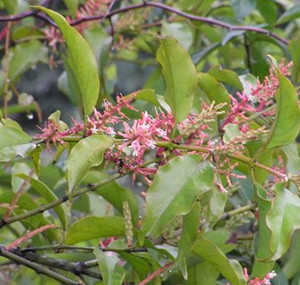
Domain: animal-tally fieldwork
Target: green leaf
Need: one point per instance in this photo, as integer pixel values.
(190, 232)
(283, 219)
(230, 269)
(84, 155)
(231, 35)
(110, 271)
(214, 90)
(269, 10)
(231, 132)
(294, 50)
(14, 142)
(292, 262)
(202, 273)
(264, 234)
(49, 196)
(242, 8)
(26, 55)
(175, 189)
(11, 6)
(289, 15)
(115, 194)
(287, 121)
(94, 228)
(81, 60)
(180, 77)
(182, 32)
(72, 5)
(226, 76)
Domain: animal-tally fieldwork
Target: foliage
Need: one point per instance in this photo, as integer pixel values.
(191, 178)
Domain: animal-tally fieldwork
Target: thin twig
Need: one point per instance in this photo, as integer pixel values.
(155, 273)
(40, 269)
(145, 4)
(17, 196)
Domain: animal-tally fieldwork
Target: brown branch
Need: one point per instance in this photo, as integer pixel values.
(38, 268)
(145, 4)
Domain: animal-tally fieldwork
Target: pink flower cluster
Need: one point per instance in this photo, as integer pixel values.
(258, 281)
(261, 96)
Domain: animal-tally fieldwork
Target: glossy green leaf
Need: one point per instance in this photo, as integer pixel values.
(229, 268)
(292, 262)
(214, 90)
(175, 189)
(231, 35)
(26, 55)
(84, 155)
(182, 32)
(111, 273)
(226, 76)
(81, 60)
(287, 121)
(180, 77)
(242, 8)
(50, 196)
(269, 10)
(14, 142)
(294, 50)
(263, 251)
(94, 228)
(202, 273)
(72, 5)
(190, 232)
(115, 194)
(11, 6)
(283, 219)
(289, 15)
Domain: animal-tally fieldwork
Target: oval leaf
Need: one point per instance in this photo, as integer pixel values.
(81, 60)
(283, 219)
(95, 227)
(84, 155)
(180, 77)
(230, 269)
(214, 90)
(175, 189)
(286, 125)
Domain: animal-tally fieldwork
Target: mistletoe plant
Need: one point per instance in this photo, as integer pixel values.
(211, 169)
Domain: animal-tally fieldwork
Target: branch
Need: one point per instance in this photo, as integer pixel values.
(76, 268)
(145, 4)
(38, 268)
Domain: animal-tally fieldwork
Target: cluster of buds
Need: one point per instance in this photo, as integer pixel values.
(259, 97)
(258, 281)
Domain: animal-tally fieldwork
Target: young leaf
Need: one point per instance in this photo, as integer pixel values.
(175, 189)
(289, 15)
(190, 232)
(230, 269)
(84, 155)
(226, 76)
(180, 77)
(111, 273)
(14, 142)
(287, 122)
(283, 219)
(82, 61)
(49, 196)
(214, 90)
(95, 227)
